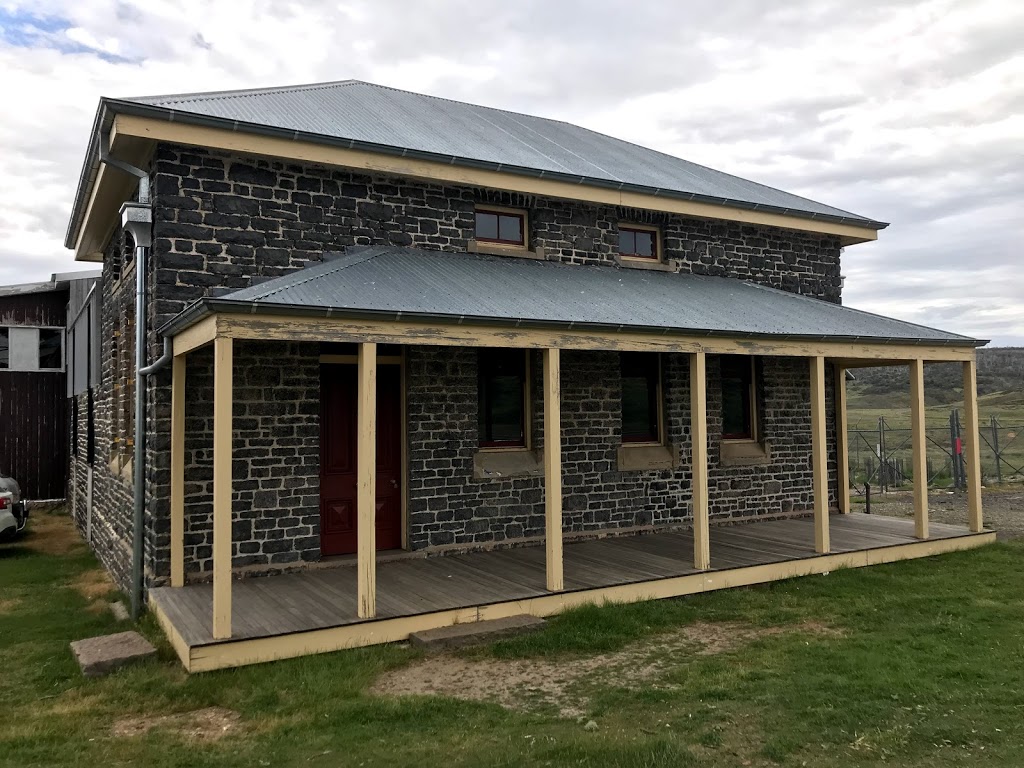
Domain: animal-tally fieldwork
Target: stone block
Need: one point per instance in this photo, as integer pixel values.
(99, 656)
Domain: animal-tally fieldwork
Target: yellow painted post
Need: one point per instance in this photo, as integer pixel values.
(699, 460)
(842, 441)
(972, 447)
(366, 471)
(222, 397)
(819, 455)
(553, 468)
(920, 443)
(178, 471)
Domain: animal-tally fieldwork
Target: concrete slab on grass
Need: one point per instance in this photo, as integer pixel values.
(98, 656)
(460, 635)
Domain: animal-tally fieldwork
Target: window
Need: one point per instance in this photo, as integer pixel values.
(637, 242)
(738, 397)
(641, 397)
(5, 348)
(503, 227)
(503, 397)
(50, 342)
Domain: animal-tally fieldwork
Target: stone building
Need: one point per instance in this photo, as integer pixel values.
(532, 323)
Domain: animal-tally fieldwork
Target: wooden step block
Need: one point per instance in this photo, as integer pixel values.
(461, 635)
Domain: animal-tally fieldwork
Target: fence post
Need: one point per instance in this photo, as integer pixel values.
(955, 456)
(960, 449)
(867, 498)
(995, 450)
(883, 461)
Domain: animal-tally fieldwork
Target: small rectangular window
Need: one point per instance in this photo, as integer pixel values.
(503, 392)
(5, 348)
(737, 397)
(641, 396)
(504, 227)
(638, 242)
(50, 342)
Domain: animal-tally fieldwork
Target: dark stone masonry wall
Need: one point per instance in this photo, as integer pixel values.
(448, 506)
(223, 222)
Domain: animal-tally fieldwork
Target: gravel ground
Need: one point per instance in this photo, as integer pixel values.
(1003, 508)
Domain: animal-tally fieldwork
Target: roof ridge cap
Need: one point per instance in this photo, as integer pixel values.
(175, 98)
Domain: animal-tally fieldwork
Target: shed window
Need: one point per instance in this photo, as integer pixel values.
(50, 342)
(503, 397)
(504, 227)
(641, 396)
(5, 348)
(638, 243)
(738, 397)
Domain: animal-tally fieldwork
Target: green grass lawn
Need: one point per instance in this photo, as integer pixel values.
(922, 664)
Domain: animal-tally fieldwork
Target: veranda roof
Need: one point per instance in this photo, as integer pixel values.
(390, 282)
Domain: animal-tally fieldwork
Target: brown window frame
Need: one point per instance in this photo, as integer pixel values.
(747, 366)
(655, 234)
(499, 213)
(486, 430)
(650, 365)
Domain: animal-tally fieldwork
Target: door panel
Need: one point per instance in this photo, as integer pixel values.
(338, 398)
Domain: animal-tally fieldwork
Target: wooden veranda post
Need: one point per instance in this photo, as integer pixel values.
(178, 471)
(699, 459)
(553, 468)
(819, 455)
(972, 448)
(222, 397)
(919, 440)
(842, 441)
(366, 469)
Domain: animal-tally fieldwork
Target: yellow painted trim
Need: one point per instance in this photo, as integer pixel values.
(297, 328)
(406, 167)
(223, 395)
(699, 460)
(173, 636)
(198, 335)
(842, 440)
(553, 468)
(366, 483)
(241, 652)
(178, 471)
(972, 445)
(919, 440)
(819, 455)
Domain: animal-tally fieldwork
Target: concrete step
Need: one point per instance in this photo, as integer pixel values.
(461, 635)
(98, 656)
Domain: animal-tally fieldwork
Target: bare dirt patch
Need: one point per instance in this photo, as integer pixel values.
(208, 724)
(563, 685)
(51, 532)
(8, 606)
(93, 585)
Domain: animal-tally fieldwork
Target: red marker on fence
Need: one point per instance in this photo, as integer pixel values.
(958, 446)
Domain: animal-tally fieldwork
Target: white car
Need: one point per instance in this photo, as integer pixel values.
(13, 512)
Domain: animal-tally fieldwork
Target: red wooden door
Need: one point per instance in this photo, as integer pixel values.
(338, 458)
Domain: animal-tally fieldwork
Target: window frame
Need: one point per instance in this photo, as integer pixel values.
(62, 336)
(736, 437)
(500, 211)
(659, 402)
(504, 445)
(655, 232)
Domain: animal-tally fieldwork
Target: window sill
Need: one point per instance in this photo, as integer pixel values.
(496, 249)
(650, 264)
(742, 453)
(493, 463)
(637, 457)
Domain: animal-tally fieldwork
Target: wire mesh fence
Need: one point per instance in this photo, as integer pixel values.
(881, 455)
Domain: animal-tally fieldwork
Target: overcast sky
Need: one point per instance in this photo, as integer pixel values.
(911, 112)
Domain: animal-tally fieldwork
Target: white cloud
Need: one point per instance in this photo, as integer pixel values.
(907, 112)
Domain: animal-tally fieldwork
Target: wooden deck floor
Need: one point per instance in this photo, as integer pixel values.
(656, 565)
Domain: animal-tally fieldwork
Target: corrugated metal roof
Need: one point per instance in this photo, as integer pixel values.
(386, 117)
(455, 287)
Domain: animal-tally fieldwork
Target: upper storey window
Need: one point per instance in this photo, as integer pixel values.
(501, 226)
(637, 242)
